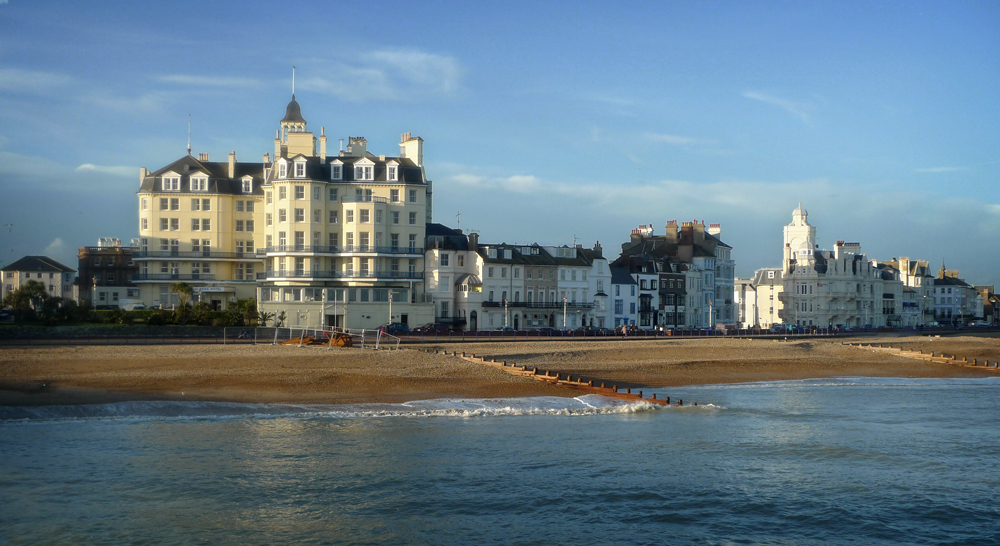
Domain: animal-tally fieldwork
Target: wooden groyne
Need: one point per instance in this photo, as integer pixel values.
(981, 363)
(560, 379)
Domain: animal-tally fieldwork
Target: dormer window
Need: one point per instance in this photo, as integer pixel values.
(363, 172)
(199, 184)
(336, 172)
(282, 170)
(390, 173)
(247, 185)
(300, 169)
(171, 183)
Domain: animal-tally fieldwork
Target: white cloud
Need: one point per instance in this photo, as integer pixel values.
(114, 171)
(799, 109)
(387, 75)
(939, 170)
(148, 103)
(57, 246)
(208, 81)
(675, 139)
(31, 81)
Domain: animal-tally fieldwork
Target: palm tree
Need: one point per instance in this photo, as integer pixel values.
(183, 291)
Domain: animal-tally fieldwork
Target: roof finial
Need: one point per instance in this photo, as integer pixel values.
(189, 134)
(293, 83)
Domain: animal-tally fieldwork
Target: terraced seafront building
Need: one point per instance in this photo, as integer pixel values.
(322, 240)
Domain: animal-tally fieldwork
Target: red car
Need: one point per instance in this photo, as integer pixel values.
(432, 328)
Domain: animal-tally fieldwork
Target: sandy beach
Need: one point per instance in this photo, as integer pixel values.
(309, 375)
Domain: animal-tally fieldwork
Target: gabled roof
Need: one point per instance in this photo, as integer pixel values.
(42, 264)
(620, 275)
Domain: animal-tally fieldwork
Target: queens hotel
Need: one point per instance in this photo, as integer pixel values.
(326, 240)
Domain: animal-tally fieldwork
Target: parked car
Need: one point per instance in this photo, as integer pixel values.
(505, 329)
(432, 328)
(396, 328)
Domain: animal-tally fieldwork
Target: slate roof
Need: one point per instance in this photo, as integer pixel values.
(445, 238)
(620, 275)
(42, 264)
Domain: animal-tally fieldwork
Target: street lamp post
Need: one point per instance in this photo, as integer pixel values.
(564, 312)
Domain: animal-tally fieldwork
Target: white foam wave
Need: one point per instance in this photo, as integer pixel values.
(458, 407)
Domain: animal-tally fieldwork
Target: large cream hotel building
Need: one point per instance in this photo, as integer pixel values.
(322, 240)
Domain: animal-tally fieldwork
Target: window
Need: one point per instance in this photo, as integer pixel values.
(413, 196)
(316, 216)
(175, 204)
(171, 183)
(175, 224)
(249, 206)
(267, 198)
(378, 216)
(145, 203)
(239, 225)
(195, 224)
(300, 215)
(239, 206)
(335, 174)
(196, 204)
(365, 216)
(334, 216)
(164, 203)
(349, 239)
(281, 239)
(282, 193)
(394, 240)
(300, 192)
(350, 217)
(199, 184)
(461, 260)
(363, 172)
(268, 219)
(395, 217)
(333, 194)
(413, 218)
(413, 242)
(300, 239)
(444, 260)
(394, 196)
(300, 169)
(247, 186)
(282, 170)
(206, 204)
(333, 239)
(143, 224)
(281, 216)
(391, 173)
(364, 239)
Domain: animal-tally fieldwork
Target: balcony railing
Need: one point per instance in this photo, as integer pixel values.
(346, 249)
(173, 277)
(364, 199)
(540, 305)
(190, 255)
(307, 274)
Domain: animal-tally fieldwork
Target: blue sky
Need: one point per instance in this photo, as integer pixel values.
(542, 122)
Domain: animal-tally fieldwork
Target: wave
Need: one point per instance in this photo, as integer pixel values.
(590, 404)
(855, 381)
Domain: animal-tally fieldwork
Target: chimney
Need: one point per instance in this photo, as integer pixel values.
(714, 229)
(671, 231)
(232, 164)
(598, 250)
(322, 145)
(202, 157)
(473, 241)
(413, 148)
(143, 173)
(267, 158)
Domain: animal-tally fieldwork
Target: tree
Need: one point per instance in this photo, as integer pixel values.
(28, 299)
(280, 320)
(247, 309)
(183, 291)
(264, 317)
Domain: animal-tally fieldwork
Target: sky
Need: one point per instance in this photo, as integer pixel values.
(554, 123)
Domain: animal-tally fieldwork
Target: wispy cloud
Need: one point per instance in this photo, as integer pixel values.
(208, 81)
(678, 140)
(939, 169)
(386, 75)
(148, 103)
(114, 171)
(31, 81)
(799, 109)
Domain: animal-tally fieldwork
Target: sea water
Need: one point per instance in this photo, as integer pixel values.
(833, 461)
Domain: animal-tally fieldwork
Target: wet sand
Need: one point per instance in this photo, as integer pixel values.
(308, 375)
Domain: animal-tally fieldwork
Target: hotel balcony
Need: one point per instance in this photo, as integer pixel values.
(160, 277)
(177, 255)
(346, 250)
(340, 275)
(540, 305)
